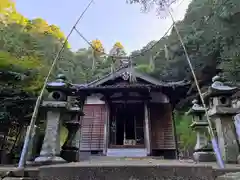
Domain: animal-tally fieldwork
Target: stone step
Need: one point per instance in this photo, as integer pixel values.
(19, 178)
(106, 171)
(127, 152)
(230, 176)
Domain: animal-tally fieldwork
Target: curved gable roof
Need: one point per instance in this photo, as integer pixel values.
(133, 72)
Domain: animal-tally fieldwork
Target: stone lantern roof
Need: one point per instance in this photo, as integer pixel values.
(196, 108)
(218, 88)
(197, 111)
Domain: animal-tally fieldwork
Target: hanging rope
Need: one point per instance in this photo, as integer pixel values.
(131, 56)
(210, 129)
(35, 112)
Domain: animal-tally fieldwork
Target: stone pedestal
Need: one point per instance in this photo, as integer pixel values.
(50, 152)
(237, 127)
(221, 113)
(226, 138)
(31, 153)
(70, 148)
(202, 156)
(202, 152)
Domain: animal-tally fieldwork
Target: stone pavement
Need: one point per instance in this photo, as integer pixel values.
(105, 168)
(102, 160)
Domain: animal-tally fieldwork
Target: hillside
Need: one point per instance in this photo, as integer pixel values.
(211, 34)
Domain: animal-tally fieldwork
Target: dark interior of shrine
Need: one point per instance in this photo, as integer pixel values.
(127, 120)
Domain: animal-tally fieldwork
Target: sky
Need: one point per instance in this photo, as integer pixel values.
(107, 20)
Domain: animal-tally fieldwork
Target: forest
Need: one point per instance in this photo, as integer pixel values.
(210, 31)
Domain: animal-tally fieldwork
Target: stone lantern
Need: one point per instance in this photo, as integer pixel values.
(55, 106)
(70, 148)
(202, 153)
(221, 113)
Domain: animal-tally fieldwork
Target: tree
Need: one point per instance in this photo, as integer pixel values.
(210, 34)
(6, 6)
(117, 53)
(186, 136)
(27, 48)
(159, 5)
(97, 51)
(20, 80)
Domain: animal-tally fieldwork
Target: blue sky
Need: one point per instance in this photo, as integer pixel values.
(105, 20)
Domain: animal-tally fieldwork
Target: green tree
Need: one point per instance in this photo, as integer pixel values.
(186, 136)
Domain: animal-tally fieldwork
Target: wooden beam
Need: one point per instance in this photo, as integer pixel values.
(128, 98)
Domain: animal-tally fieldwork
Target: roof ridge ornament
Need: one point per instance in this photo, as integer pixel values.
(125, 62)
(125, 75)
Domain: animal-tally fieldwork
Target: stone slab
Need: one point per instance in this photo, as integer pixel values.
(84, 155)
(229, 176)
(121, 172)
(19, 178)
(135, 165)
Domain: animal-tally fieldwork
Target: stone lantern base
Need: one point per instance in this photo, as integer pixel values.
(204, 156)
(49, 160)
(70, 154)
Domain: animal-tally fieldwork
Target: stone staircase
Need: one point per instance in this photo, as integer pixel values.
(127, 152)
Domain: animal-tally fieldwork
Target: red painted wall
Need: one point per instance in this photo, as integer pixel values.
(92, 127)
(162, 136)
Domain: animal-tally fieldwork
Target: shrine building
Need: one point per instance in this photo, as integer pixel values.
(130, 114)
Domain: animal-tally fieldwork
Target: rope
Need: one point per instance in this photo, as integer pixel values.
(210, 129)
(129, 57)
(143, 51)
(35, 112)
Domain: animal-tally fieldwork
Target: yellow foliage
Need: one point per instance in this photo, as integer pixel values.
(97, 46)
(6, 6)
(118, 45)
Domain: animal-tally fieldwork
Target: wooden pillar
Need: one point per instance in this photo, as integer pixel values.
(175, 134)
(106, 128)
(146, 129)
